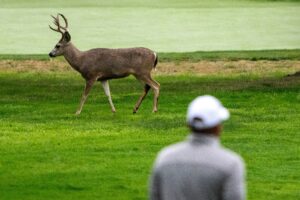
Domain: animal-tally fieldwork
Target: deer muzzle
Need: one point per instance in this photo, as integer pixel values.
(51, 55)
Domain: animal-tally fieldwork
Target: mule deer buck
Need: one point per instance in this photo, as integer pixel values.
(103, 64)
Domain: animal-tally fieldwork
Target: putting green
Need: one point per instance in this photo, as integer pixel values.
(165, 26)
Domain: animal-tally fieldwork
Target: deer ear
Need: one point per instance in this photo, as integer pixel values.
(67, 36)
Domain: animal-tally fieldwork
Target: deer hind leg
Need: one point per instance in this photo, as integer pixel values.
(150, 83)
(85, 94)
(107, 93)
(138, 103)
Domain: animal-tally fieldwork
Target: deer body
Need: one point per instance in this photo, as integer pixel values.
(102, 64)
(111, 63)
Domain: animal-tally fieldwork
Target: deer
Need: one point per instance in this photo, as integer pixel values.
(104, 64)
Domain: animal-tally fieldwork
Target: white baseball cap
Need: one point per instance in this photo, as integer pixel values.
(206, 112)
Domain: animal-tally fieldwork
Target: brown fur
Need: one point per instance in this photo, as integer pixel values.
(103, 64)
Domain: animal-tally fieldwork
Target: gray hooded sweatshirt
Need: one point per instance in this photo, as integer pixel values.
(197, 169)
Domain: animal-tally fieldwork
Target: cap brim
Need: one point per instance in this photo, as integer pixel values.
(224, 114)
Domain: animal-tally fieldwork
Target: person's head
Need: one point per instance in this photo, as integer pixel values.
(206, 114)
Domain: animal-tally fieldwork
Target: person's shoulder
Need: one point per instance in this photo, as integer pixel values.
(170, 151)
(231, 156)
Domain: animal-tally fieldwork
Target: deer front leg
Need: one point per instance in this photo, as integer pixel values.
(88, 86)
(107, 93)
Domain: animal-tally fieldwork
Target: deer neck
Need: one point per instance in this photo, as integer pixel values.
(73, 56)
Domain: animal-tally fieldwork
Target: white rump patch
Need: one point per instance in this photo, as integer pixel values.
(155, 56)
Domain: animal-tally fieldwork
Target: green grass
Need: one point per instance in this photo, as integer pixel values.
(162, 25)
(46, 152)
(139, 3)
(193, 56)
(231, 55)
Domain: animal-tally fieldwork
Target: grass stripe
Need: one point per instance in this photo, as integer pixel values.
(293, 54)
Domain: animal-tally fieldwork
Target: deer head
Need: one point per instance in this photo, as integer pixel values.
(59, 48)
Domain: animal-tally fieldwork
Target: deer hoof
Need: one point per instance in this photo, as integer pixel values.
(77, 112)
(135, 110)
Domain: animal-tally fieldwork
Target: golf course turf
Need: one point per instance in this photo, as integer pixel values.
(246, 53)
(47, 152)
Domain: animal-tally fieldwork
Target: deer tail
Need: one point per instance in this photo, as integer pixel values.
(155, 61)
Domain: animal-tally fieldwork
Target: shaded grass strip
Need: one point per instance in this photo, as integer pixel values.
(285, 54)
(232, 55)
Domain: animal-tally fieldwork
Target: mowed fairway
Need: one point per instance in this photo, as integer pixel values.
(46, 152)
(162, 25)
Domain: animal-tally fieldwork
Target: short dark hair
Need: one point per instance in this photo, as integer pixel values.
(203, 131)
(195, 129)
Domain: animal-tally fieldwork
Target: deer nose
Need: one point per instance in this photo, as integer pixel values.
(51, 55)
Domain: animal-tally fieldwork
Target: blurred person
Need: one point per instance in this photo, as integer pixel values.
(199, 168)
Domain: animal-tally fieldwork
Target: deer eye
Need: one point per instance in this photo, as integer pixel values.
(57, 46)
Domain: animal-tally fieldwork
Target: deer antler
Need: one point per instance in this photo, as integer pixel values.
(59, 28)
(66, 22)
